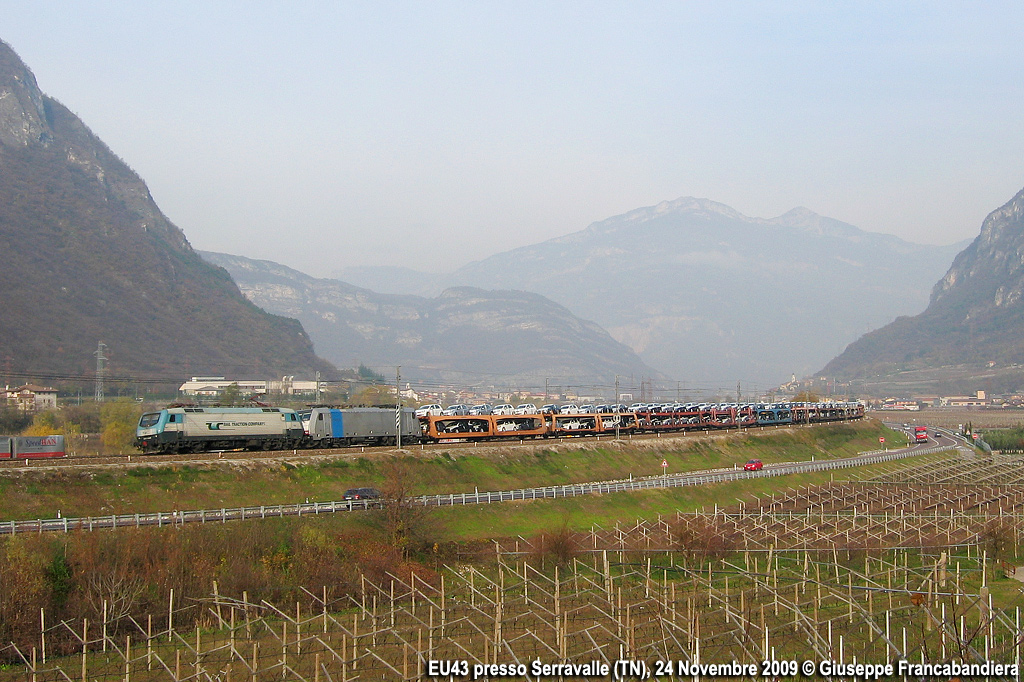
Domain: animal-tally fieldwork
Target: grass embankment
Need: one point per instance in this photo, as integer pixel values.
(477, 522)
(146, 488)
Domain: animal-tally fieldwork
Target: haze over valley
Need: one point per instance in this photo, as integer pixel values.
(708, 295)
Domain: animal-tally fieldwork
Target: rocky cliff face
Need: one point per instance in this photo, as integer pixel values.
(22, 116)
(974, 321)
(988, 274)
(509, 338)
(88, 256)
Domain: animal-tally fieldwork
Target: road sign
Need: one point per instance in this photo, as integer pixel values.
(881, 440)
(664, 463)
(974, 436)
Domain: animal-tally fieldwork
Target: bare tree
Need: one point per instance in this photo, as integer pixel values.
(118, 588)
(559, 546)
(404, 519)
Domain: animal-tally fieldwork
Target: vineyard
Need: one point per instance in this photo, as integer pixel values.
(915, 564)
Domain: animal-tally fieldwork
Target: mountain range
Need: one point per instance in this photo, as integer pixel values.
(463, 335)
(971, 335)
(709, 295)
(89, 257)
(689, 289)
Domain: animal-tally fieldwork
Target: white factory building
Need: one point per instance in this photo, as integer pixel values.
(214, 386)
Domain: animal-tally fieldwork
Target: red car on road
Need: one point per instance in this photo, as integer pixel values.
(753, 465)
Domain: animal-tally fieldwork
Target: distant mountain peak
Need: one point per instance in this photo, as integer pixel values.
(798, 217)
(687, 205)
(807, 220)
(697, 205)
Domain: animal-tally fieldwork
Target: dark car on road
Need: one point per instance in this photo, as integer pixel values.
(362, 494)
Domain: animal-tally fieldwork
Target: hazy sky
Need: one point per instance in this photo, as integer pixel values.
(429, 134)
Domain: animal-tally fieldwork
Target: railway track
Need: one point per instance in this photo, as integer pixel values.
(139, 459)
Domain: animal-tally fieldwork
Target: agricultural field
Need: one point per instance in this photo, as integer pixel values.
(951, 418)
(911, 561)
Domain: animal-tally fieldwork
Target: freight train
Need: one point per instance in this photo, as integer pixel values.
(201, 429)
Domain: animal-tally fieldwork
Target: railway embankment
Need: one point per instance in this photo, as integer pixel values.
(151, 484)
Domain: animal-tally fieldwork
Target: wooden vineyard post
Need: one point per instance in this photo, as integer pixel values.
(1016, 637)
(767, 643)
(498, 607)
(675, 613)
(444, 607)
(325, 607)
(942, 630)
(617, 612)
(607, 576)
(558, 586)
(216, 600)
(85, 647)
(796, 607)
(710, 582)
(727, 598)
(373, 632)
(344, 653)
(850, 595)
(245, 605)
